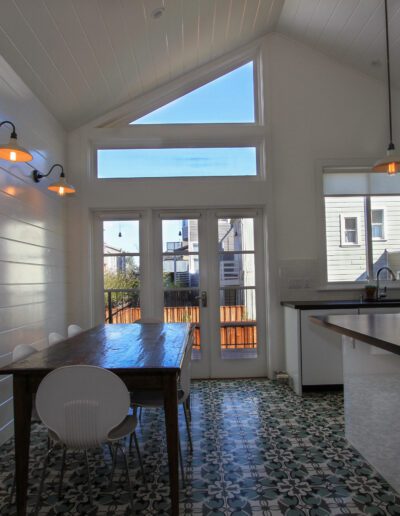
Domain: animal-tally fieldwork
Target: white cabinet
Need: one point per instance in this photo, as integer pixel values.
(321, 350)
(313, 353)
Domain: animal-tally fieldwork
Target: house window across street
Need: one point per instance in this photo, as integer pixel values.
(377, 224)
(350, 231)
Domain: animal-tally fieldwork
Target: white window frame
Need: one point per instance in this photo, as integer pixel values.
(343, 217)
(253, 134)
(383, 238)
(352, 164)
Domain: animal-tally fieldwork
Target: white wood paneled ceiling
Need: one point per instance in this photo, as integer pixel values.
(84, 57)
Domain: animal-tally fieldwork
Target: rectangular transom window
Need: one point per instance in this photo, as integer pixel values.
(176, 162)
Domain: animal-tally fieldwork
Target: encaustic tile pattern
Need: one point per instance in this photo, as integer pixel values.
(258, 450)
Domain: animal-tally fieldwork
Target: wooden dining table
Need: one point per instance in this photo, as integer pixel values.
(142, 355)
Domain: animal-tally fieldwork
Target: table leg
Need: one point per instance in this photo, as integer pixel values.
(22, 431)
(171, 424)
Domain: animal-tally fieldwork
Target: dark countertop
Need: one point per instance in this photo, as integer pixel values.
(346, 303)
(380, 330)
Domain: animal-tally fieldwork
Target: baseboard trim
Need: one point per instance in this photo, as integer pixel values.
(321, 388)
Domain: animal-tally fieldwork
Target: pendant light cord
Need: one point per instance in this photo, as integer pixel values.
(391, 145)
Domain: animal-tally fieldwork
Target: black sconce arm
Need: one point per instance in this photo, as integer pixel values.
(13, 134)
(37, 176)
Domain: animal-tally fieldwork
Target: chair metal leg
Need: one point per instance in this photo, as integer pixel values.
(89, 479)
(46, 461)
(133, 434)
(13, 489)
(188, 427)
(127, 474)
(62, 471)
(187, 404)
(114, 462)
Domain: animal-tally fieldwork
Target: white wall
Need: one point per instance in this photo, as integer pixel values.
(32, 240)
(315, 109)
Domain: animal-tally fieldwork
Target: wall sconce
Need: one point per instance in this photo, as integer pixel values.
(12, 151)
(61, 187)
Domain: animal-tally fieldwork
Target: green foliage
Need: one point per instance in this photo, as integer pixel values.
(125, 279)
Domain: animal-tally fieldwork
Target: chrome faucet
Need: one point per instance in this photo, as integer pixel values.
(379, 295)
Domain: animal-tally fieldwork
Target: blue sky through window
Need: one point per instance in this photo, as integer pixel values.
(228, 99)
(184, 162)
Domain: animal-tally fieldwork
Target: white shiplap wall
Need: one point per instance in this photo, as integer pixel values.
(32, 264)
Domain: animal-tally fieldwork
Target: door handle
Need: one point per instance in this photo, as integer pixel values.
(202, 298)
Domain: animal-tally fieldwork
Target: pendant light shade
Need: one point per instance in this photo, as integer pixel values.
(61, 187)
(391, 162)
(12, 151)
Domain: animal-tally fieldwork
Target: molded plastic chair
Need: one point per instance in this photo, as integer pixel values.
(74, 329)
(155, 397)
(84, 407)
(54, 338)
(22, 351)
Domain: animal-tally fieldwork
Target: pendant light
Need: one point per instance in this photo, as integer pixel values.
(391, 162)
(61, 187)
(12, 151)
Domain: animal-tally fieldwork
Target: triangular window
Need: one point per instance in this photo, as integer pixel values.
(228, 99)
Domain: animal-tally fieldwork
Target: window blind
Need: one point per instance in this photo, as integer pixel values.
(358, 181)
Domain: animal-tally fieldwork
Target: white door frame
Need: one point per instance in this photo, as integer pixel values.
(151, 297)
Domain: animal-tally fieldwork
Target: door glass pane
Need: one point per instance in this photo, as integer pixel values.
(236, 269)
(238, 322)
(385, 212)
(236, 234)
(121, 236)
(180, 264)
(237, 298)
(121, 271)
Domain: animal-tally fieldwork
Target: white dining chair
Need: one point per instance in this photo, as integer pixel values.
(84, 407)
(74, 329)
(54, 338)
(154, 398)
(22, 351)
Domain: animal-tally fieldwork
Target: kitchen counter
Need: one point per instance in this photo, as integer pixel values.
(371, 375)
(340, 304)
(380, 330)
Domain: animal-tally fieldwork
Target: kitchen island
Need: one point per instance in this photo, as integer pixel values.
(371, 373)
(313, 354)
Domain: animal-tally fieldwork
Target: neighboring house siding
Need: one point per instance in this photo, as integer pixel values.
(387, 251)
(346, 262)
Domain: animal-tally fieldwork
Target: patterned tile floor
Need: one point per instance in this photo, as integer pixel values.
(258, 449)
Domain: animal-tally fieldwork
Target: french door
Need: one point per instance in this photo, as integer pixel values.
(204, 267)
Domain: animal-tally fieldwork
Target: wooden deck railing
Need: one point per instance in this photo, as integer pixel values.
(236, 331)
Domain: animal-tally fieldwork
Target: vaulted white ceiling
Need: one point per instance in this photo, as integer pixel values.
(84, 57)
